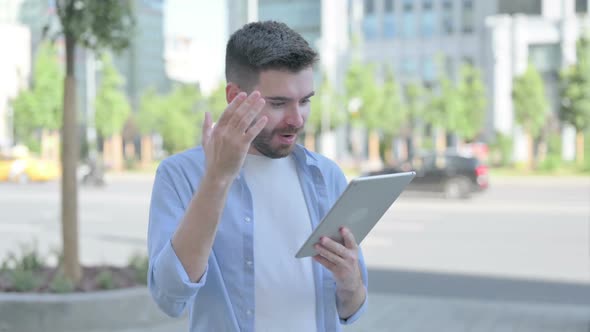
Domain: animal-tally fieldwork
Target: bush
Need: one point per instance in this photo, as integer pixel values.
(140, 265)
(24, 280)
(501, 150)
(61, 284)
(105, 280)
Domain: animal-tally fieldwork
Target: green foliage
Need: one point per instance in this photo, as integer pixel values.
(97, 25)
(575, 88)
(553, 160)
(61, 284)
(394, 115)
(473, 100)
(326, 102)
(140, 264)
(447, 107)
(501, 149)
(530, 103)
(41, 106)
(112, 106)
(24, 280)
(414, 103)
(105, 280)
(361, 85)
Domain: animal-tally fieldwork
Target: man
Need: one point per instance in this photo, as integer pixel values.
(227, 218)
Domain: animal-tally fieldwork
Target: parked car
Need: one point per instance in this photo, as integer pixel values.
(24, 169)
(453, 175)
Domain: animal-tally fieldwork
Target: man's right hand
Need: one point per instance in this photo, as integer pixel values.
(227, 143)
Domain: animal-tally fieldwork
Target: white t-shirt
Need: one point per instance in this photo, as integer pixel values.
(285, 292)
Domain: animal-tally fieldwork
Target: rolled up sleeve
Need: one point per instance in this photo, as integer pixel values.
(168, 281)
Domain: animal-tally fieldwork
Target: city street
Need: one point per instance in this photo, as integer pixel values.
(522, 248)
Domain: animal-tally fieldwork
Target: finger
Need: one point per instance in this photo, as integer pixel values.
(247, 119)
(326, 263)
(328, 254)
(349, 241)
(244, 108)
(333, 246)
(231, 108)
(207, 128)
(253, 131)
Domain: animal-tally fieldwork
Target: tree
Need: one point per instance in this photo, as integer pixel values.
(41, 106)
(575, 94)
(473, 100)
(181, 118)
(363, 90)
(395, 115)
(326, 112)
(112, 110)
(414, 104)
(96, 25)
(446, 113)
(530, 104)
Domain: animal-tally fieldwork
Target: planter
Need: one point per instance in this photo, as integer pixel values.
(113, 310)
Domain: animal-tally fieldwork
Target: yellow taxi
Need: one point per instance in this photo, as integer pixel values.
(24, 169)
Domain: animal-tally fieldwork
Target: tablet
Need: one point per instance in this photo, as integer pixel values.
(364, 201)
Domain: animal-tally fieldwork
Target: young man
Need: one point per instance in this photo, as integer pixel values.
(227, 217)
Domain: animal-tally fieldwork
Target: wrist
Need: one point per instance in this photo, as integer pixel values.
(213, 179)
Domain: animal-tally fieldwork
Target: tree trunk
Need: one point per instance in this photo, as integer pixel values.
(374, 147)
(580, 147)
(530, 163)
(130, 151)
(117, 152)
(146, 151)
(69, 152)
(441, 142)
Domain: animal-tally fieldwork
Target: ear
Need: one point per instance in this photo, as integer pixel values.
(231, 91)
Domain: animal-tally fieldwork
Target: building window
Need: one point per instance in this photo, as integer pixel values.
(389, 26)
(428, 69)
(409, 67)
(370, 28)
(581, 6)
(447, 17)
(369, 7)
(449, 67)
(545, 57)
(467, 16)
(428, 19)
(408, 19)
(389, 6)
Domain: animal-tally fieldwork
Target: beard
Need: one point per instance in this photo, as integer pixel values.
(263, 142)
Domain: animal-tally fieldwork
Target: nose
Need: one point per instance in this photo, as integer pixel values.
(294, 116)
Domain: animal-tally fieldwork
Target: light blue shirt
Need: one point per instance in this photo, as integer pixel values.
(223, 299)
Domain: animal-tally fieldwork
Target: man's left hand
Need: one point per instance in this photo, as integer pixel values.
(341, 260)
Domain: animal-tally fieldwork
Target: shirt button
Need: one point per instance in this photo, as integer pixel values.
(249, 263)
(249, 312)
(247, 219)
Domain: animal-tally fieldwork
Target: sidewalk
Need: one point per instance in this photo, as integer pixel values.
(405, 313)
(408, 313)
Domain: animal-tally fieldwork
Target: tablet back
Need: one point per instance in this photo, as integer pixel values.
(361, 205)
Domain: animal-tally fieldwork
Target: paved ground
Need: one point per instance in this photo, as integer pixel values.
(513, 259)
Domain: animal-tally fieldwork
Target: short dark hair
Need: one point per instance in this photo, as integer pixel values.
(265, 45)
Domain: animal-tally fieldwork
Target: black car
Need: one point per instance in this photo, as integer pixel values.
(453, 175)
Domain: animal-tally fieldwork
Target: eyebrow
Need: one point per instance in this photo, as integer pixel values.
(282, 98)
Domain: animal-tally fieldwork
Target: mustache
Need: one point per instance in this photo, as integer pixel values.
(289, 130)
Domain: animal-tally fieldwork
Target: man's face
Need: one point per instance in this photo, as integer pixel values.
(287, 106)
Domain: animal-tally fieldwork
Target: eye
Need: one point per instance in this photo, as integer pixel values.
(305, 101)
(277, 104)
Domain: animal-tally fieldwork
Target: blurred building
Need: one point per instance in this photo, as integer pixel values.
(418, 38)
(543, 33)
(15, 69)
(142, 64)
(195, 35)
